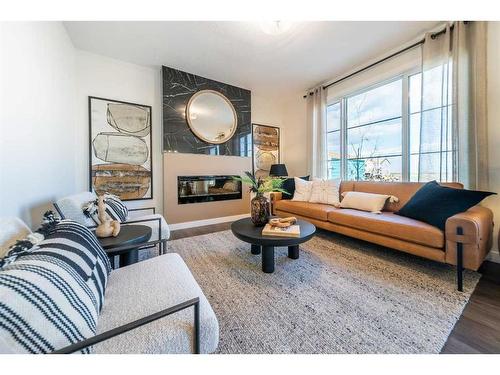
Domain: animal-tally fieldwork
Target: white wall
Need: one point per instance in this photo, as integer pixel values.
(37, 122)
(267, 110)
(113, 79)
(493, 74)
(295, 135)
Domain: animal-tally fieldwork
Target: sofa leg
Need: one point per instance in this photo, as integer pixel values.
(196, 333)
(460, 265)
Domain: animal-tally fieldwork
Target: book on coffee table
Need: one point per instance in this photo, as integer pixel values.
(291, 231)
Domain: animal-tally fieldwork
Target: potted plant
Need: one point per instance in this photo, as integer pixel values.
(259, 205)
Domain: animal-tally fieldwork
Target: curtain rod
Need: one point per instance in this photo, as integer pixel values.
(421, 41)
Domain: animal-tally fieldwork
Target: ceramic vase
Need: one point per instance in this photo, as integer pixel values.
(259, 210)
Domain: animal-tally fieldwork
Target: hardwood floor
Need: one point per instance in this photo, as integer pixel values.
(478, 329)
(191, 232)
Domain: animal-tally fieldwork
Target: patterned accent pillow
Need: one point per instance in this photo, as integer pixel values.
(44, 306)
(303, 190)
(325, 191)
(115, 208)
(50, 296)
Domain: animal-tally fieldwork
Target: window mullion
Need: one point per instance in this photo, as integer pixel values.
(343, 138)
(405, 130)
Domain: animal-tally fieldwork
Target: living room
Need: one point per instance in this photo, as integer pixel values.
(302, 186)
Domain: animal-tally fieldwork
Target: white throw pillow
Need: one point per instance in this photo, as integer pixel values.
(325, 191)
(302, 190)
(373, 203)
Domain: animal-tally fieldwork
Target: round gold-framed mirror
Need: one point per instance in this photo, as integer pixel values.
(211, 116)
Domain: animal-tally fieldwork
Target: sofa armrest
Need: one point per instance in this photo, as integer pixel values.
(195, 302)
(477, 227)
(275, 196)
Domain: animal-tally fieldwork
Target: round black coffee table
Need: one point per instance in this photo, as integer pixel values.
(126, 244)
(247, 232)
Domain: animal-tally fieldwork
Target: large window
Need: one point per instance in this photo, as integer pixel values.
(333, 140)
(431, 143)
(374, 134)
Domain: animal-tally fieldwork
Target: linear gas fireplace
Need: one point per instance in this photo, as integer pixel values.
(195, 189)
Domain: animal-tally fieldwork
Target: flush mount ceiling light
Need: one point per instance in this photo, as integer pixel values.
(275, 27)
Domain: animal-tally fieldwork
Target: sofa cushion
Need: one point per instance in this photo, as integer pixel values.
(370, 202)
(45, 305)
(303, 190)
(289, 186)
(325, 191)
(434, 203)
(389, 224)
(51, 293)
(114, 207)
(403, 190)
(316, 211)
(73, 236)
(58, 240)
(145, 288)
(72, 207)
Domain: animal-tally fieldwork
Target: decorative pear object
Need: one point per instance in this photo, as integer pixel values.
(108, 227)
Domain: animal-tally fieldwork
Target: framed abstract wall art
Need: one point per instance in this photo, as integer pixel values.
(120, 149)
(266, 148)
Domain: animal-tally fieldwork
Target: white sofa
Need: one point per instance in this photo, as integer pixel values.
(144, 288)
(70, 207)
(138, 291)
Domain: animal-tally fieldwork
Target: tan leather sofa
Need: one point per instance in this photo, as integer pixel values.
(398, 232)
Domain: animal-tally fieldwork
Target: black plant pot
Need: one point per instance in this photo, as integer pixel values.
(259, 210)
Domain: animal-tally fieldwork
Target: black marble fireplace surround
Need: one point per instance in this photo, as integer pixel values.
(196, 189)
(178, 87)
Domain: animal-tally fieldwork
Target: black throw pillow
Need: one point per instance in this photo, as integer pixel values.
(289, 186)
(434, 204)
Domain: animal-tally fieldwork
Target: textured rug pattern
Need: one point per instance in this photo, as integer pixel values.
(340, 296)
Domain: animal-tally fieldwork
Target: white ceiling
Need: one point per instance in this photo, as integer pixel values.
(239, 53)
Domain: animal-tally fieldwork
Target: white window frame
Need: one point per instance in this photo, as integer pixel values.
(405, 120)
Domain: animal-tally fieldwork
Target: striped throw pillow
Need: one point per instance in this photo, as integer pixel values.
(68, 230)
(115, 208)
(46, 299)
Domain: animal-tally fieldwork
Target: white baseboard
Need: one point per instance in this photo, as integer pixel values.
(494, 256)
(200, 223)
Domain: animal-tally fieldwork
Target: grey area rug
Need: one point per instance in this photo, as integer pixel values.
(341, 296)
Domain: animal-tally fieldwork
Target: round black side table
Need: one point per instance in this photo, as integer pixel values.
(126, 244)
(244, 230)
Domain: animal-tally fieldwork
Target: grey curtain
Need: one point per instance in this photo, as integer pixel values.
(316, 123)
(453, 129)
(470, 111)
(436, 150)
